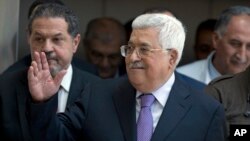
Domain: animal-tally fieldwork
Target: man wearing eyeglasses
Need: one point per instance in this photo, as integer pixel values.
(152, 104)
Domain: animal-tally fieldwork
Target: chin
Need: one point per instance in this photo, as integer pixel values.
(54, 71)
(135, 78)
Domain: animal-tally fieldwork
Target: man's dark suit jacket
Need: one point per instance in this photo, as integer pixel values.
(107, 113)
(14, 97)
(192, 82)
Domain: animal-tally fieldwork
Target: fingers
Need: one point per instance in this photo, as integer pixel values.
(44, 61)
(41, 61)
(37, 58)
(58, 78)
(31, 74)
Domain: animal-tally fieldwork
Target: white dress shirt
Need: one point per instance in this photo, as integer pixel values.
(161, 97)
(63, 92)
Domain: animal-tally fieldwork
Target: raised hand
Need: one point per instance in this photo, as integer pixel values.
(41, 83)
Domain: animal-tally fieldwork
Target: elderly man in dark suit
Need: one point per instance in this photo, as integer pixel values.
(54, 31)
(151, 104)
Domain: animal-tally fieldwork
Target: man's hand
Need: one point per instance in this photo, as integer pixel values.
(41, 83)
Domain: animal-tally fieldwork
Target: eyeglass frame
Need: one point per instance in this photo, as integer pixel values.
(139, 53)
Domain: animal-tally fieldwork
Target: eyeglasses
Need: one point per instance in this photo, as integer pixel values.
(127, 50)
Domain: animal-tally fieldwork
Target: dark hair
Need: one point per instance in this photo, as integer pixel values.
(52, 10)
(226, 16)
(38, 2)
(208, 24)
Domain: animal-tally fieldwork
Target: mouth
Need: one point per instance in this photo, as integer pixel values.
(52, 61)
(136, 68)
(239, 64)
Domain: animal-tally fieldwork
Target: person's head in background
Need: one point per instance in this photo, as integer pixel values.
(36, 3)
(232, 40)
(54, 30)
(103, 39)
(153, 51)
(203, 45)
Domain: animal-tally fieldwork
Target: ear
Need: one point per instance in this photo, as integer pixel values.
(28, 37)
(76, 42)
(173, 57)
(215, 39)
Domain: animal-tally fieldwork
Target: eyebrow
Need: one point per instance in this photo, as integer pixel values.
(55, 35)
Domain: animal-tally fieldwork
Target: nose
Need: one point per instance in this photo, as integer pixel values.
(104, 62)
(47, 46)
(242, 54)
(135, 55)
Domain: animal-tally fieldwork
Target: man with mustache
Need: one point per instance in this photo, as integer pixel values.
(151, 104)
(26, 60)
(53, 30)
(232, 47)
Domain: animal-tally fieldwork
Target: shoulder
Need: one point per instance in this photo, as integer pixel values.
(196, 96)
(84, 75)
(226, 85)
(20, 64)
(113, 82)
(230, 83)
(12, 80)
(13, 76)
(190, 81)
(232, 80)
(84, 65)
(111, 85)
(221, 79)
(192, 66)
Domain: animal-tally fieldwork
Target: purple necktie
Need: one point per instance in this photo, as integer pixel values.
(145, 119)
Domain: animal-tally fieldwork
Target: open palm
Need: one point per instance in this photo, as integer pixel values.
(41, 84)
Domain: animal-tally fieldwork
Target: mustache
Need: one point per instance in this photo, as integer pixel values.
(50, 55)
(136, 65)
(239, 61)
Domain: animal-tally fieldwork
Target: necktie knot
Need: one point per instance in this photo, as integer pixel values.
(147, 100)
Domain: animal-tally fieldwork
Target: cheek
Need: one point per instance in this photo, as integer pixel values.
(35, 48)
(63, 54)
(152, 68)
(248, 54)
(126, 61)
(224, 51)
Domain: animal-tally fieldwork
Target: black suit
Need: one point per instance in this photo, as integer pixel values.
(14, 96)
(107, 113)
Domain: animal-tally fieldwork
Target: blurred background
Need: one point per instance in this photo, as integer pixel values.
(13, 17)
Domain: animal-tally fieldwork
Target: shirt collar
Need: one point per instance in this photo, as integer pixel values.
(162, 93)
(67, 78)
(211, 69)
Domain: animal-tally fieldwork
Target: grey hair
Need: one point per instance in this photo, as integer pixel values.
(226, 16)
(171, 31)
(52, 10)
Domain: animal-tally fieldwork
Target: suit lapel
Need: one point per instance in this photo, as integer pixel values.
(22, 97)
(177, 106)
(124, 100)
(76, 86)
